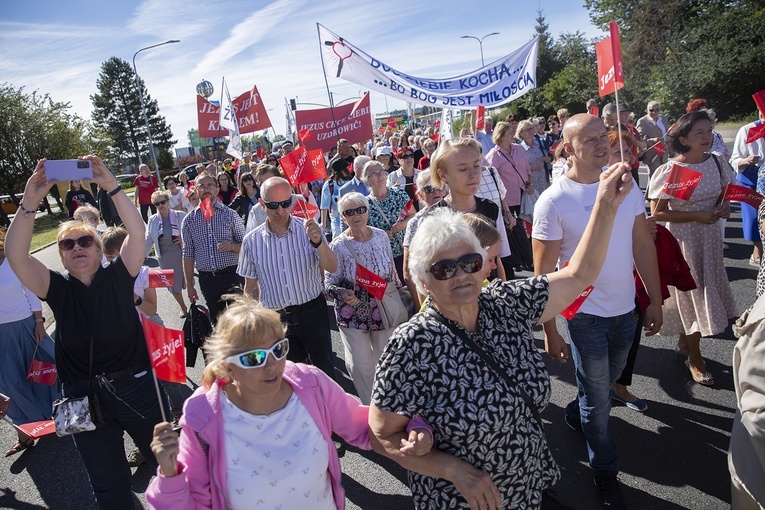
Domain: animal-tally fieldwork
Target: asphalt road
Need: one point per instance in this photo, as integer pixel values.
(671, 457)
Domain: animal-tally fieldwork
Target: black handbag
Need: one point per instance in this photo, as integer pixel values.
(196, 328)
(518, 241)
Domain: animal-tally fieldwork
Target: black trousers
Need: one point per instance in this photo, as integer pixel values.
(309, 335)
(215, 286)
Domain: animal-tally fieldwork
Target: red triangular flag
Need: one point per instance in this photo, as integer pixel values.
(480, 117)
(208, 209)
(370, 282)
(303, 209)
(166, 351)
(756, 132)
(736, 193)
(161, 278)
(406, 209)
(681, 182)
(261, 153)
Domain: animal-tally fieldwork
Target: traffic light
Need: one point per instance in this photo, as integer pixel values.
(293, 105)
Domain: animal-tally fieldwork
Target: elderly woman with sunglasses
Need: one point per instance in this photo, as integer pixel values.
(163, 232)
(258, 432)
(93, 305)
(470, 367)
(358, 318)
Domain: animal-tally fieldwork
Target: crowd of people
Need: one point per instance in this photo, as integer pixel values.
(413, 243)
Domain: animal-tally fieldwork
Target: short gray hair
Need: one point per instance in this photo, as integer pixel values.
(609, 109)
(365, 171)
(441, 231)
(651, 104)
(354, 197)
(423, 179)
(360, 161)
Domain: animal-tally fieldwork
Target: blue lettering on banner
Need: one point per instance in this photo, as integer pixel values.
(510, 90)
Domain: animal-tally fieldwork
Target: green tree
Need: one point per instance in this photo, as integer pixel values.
(32, 127)
(117, 110)
(548, 63)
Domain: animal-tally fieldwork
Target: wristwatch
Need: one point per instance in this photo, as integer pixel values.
(138, 301)
(316, 245)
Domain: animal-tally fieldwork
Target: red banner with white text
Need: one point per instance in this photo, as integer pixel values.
(250, 114)
(609, 55)
(352, 122)
(166, 351)
(681, 182)
(370, 282)
(301, 166)
(736, 193)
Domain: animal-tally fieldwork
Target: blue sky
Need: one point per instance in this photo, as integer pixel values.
(57, 47)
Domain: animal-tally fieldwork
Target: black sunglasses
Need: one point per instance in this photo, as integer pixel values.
(161, 202)
(445, 269)
(68, 244)
(275, 205)
(407, 156)
(653, 111)
(248, 179)
(431, 189)
(353, 212)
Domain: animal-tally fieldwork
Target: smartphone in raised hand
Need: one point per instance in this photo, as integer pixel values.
(68, 170)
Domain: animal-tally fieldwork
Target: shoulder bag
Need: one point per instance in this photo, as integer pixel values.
(393, 310)
(520, 245)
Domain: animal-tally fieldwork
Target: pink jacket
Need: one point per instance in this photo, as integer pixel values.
(201, 479)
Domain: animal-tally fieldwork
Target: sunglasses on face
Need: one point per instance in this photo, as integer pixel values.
(257, 358)
(353, 212)
(160, 202)
(407, 156)
(275, 205)
(431, 189)
(68, 244)
(653, 111)
(445, 269)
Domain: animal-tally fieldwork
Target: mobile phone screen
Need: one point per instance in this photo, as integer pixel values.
(68, 170)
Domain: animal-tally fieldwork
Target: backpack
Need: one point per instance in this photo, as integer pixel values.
(196, 328)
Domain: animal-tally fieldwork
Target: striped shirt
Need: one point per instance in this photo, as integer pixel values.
(201, 237)
(286, 266)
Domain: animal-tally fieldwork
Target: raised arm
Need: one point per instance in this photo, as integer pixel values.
(30, 271)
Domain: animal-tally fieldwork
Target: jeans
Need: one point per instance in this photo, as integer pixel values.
(629, 367)
(309, 335)
(103, 450)
(599, 346)
(213, 287)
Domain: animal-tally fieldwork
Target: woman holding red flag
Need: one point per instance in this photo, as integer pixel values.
(356, 310)
(694, 222)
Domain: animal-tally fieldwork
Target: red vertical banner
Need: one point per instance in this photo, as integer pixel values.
(609, 55)
(166, 351)
(480, 117)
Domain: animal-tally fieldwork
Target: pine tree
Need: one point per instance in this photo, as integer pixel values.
(117, 110)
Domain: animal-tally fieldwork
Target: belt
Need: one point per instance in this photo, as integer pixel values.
(297, 308)
(218, 272)
(119, 374)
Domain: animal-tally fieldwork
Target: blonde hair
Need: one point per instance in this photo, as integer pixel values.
(113, 238)
(484, 230)
(68, 227)
(160, 193)
(84, 210)
(445, 149)
(239, 326)
(521, 126)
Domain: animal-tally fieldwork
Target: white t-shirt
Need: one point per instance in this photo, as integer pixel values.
(278, 460)
(562, 213)
(18, 301)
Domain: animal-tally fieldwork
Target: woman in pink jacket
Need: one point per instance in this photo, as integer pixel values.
(259, 431)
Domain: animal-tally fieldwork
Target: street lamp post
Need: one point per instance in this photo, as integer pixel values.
(480, 42)
(143, 107)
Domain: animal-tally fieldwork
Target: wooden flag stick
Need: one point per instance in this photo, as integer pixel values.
(159, 394)
(619, 123)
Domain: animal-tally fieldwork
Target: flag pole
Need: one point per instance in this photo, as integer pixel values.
(159, 393)
(619, 122)
(329, 94)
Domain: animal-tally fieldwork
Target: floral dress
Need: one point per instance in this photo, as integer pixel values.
(375, 255)
(539, 176)
(391, 207)
(707, 308)
(427, 371)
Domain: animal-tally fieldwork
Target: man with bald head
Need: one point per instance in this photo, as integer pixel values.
(602, 330)
(282, 262)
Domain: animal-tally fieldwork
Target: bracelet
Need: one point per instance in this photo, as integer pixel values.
(41, 319)
(115, 190)
(26, 211)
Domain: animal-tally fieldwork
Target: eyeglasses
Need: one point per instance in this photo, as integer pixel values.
(207, 186)
(653, 111)
(375, 175)
(68, 244)
(431, 189)
(445, 269)
(275, 205)
(161, 202)
(353, 212)
(257, 358)
(407, 156)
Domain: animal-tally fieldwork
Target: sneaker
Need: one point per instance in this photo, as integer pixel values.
(609, 492)
(135, 458)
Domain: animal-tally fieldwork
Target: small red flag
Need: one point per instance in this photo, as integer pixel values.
(659, 149)
(554, 146)
(571, 310)
(36, 429)
(303, 209)
(42, 372)
(161, 278)
(381, 129)
(480, 114)
(406, 209)
(261, 153)
(391, 123)
(756, 132)
(208, 209)
(759, 100)
(370, 282)
(681, 182)
(299, 167)
(166, 351)
(594, 110)
(304, 134)
(609, 55)
(736, 193)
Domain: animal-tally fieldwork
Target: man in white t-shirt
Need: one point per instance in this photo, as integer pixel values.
(601, 332)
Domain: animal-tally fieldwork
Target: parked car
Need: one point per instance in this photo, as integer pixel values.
(7, 204)
(190, 171)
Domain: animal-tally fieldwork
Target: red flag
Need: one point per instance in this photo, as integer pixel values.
(594, 110)
(381, 129)
(36, 429)
(756, 132)
(304, 209)
(681, 182)
(207, 208)
(261, 153)
(304, 134)
(406, 209)
(370, 282)
(161, 278)
(251, 114)
(659, 149)
(298, 167)
(480, 114)
(42, 372)
(609, 54)
(759, 99)
(166, 351)
(736, 193)
(554, 146)
(391, 123)
(574, 307)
